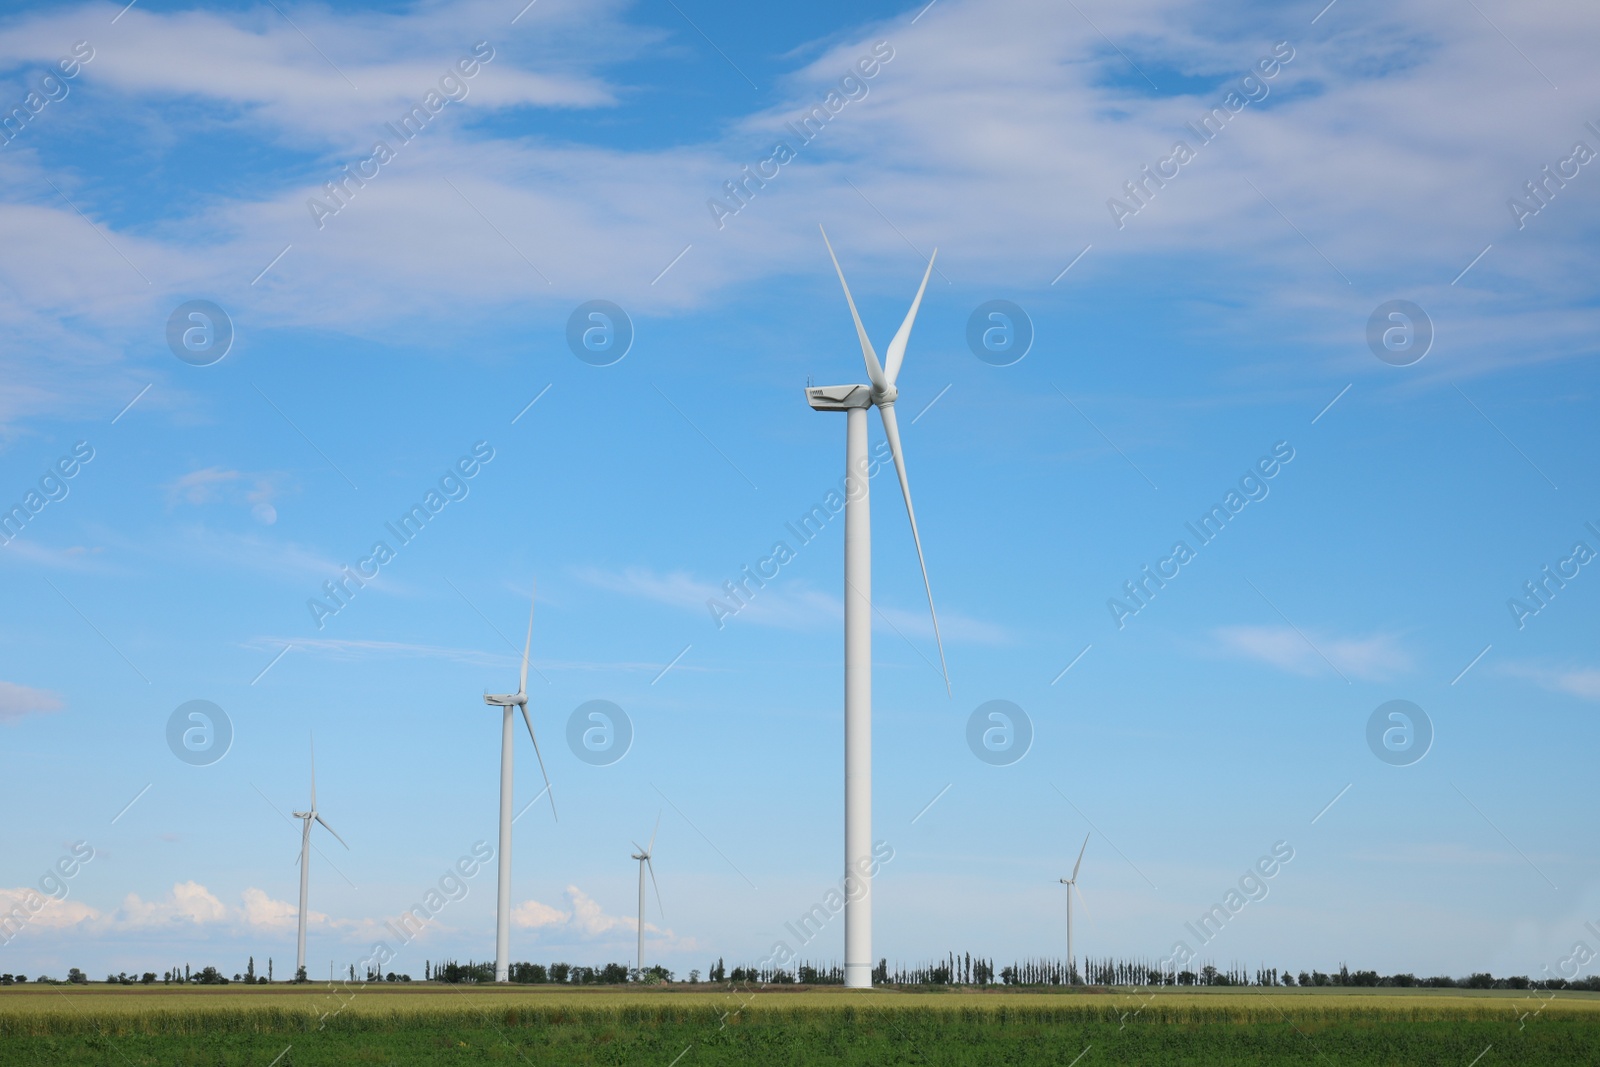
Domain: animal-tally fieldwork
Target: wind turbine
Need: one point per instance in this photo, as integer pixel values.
(306, 819)
(519, 699)
(854, 400)
(643, 856)
(1072, 887)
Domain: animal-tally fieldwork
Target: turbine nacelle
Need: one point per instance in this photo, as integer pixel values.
(840, 397)
(506, 700)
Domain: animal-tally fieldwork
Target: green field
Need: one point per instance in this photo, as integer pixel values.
(318, 1024)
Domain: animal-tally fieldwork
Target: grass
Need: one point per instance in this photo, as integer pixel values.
(318, 1024)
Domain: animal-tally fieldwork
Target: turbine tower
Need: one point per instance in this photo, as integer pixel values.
(854, 400)
(506, 702)
(1072, 887)
(306, 819)
(643, 856)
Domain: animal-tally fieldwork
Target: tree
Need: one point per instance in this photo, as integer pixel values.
(250, 970)
(77, 977)
(694, 976)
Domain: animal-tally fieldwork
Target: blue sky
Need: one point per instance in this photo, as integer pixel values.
(1177, 342)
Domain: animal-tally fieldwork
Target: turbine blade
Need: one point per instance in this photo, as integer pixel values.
(331, 830)
(896, 351)
(548, 788)
(653, 882)
(874, 371)
(1075, 866)
(522, 681)
(891, 430)
(652, 849)
(1083, 903)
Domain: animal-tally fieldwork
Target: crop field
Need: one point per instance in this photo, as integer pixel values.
(313, 1025)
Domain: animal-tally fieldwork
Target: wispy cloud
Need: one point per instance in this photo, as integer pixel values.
(1581, 682)
(1434, 853)
(349, 649)
(1375, 657)
(17, 702)
(72, 558)
(790, 605)
(211, 484)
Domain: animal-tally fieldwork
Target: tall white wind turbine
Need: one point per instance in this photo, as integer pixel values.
(644, 857)
(306, 819)
(1072, 887)
(854, 400)
(506, 702)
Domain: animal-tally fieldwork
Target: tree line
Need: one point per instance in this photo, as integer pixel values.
(953, 969)
(471, 972)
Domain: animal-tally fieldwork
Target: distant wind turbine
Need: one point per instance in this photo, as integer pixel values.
(1072, 887)
(519, 699)
(306, 819)
(643, 856)
(854, 400)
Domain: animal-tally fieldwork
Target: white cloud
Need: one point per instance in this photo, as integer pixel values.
(259, 911)
(1581, 682)
(1010, 128)
(326, 74)
(677, 589)
(1374, 658)
(347, 649)
(188, 907)
(52, 915)
(211, 484)
(532, 915)
(187, 903)
(953, 625)
(19, 701)
(583, 920)
(791, 605)
(74, 558)
(261, 552)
